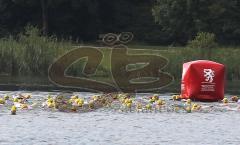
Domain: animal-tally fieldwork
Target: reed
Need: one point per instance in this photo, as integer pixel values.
(30, 54)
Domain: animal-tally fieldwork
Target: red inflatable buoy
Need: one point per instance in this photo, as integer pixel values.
(203, 80)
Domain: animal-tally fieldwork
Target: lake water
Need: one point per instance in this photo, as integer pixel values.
(107, 126)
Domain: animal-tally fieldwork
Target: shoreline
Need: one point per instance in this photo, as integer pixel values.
(172, 88)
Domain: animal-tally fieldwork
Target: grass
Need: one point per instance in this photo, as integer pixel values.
(29, 55)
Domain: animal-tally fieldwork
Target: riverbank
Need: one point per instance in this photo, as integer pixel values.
(25, 60)
(43, 84)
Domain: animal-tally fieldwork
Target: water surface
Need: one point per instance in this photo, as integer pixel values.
(108, 127)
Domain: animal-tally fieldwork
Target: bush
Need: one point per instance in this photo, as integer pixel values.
(30, 53)
(205, 42)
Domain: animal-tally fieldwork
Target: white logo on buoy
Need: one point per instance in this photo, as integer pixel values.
(209, 75)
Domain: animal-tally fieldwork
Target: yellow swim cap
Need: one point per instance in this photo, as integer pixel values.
(195, 107)
(79, 102)
(225, 100)
(151, 100)
(2, 101)
(155, 97)
(188, 109)
(13, 110)
(50, 104)
(160, 102)
(91, 104)
(50, 100)
(24, 106)
(139, 106)
(74, 97)
(176, 97)
(15, 100)
(148, 106)
(95, 97)
(189, 101)
(129, 105)
(6, 97)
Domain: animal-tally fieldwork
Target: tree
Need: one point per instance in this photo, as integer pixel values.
(44, 16)
(182, 19)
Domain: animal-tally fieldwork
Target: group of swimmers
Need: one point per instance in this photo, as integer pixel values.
(17, 102)
(119, 101)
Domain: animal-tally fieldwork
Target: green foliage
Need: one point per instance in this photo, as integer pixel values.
(30, 53)
(182, 19)
(203, 43)
(203, 40)
(175, 18)
(81, 19)
(177, 21)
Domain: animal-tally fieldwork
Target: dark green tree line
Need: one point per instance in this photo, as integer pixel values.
(178, 21)
(182, 19)
(85, 19)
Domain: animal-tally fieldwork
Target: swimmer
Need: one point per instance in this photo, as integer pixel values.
(79, 102)
(114, 95)
(103, 100)
(189, 101)
(148, 107)
(91, 104)
(129, 106)
(127, 100)
(73, 98)
(160, 104)
(13, 110)
(225, 101)
(139, 107)
(151, 101)
(176, 97)
(2, 101)
(188, 109)
(196, 107)
(8, 100)
(234, 98)
(6, 97)
(176, 108)
(155, 97)
(15, 100)
(24, 106)
(127, 103)
(123, 97)
(22, 98)
(21, 102)
(62, 103)
(50, 103)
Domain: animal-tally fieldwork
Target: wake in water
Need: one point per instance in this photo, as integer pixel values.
(114, 101)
